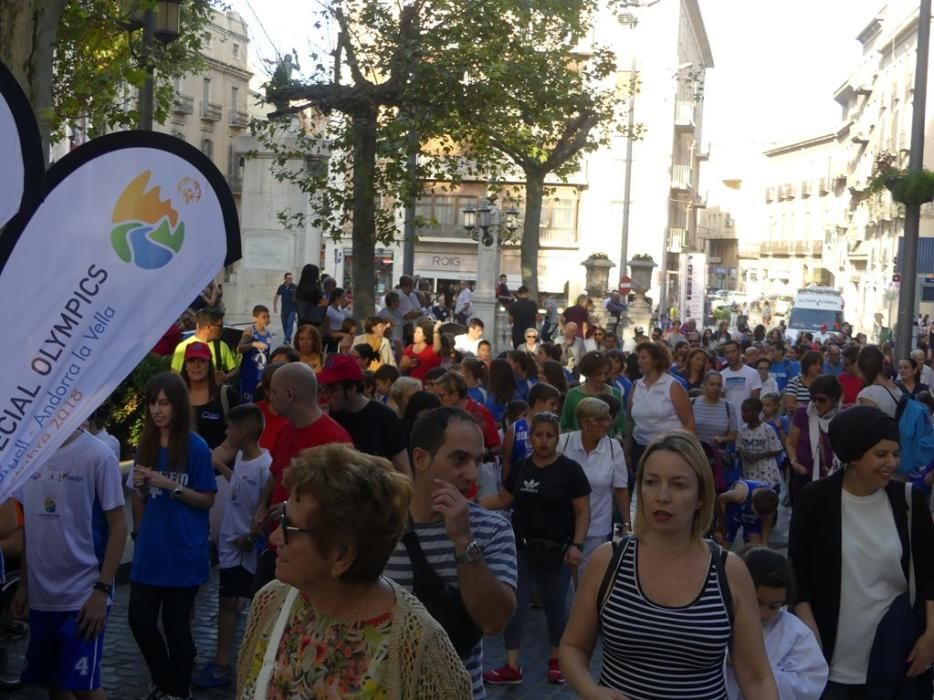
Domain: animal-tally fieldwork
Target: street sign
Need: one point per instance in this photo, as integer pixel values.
(625, 285)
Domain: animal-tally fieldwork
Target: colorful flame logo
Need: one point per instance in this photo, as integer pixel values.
(147, 232)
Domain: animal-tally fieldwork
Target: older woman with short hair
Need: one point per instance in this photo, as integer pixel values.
(595, 368)
(604, 464)
(331, 624)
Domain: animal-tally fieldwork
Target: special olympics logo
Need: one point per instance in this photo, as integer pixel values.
(148, 232)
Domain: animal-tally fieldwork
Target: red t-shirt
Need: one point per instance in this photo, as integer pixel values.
(852, 384)
(291, 440)
(487, 423)
(428, 359)
(274, 423)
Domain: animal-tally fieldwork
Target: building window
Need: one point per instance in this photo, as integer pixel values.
(206, 90)
(207, 147)
(177, 84)
(234, 97)
(236, 50)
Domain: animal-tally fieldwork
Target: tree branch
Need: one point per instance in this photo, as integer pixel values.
(573, 140)
(343, 37)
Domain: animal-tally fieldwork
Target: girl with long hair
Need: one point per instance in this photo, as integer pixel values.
(502, 388)
(174, 490)
(308, 344)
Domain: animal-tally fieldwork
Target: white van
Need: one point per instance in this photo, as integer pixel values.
(814, 308)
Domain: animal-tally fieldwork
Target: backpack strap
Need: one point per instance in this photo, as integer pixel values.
(719, 555)
(612, 569)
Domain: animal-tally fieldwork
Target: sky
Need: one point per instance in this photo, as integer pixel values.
(776, 64)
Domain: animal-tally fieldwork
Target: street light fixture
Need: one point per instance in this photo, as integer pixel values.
(483, 222)
(162, 22)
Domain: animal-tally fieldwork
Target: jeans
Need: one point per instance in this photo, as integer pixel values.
(288, 323)
(170, 659)
(637, 452)
(590, 546)
(553, 584)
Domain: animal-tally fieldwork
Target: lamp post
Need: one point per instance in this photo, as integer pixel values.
(484, 225)
(161, 22)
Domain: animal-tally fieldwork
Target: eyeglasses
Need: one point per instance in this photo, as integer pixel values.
(286, 528)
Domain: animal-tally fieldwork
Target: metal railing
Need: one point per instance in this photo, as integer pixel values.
(211, 111)
(183, 104)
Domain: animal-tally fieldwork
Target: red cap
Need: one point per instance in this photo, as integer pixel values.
(340, 368)
(197, 351)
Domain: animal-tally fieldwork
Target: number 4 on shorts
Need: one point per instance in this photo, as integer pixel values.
(83, 666)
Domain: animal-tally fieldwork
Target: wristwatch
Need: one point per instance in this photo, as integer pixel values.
(473, 553)
(177, 492)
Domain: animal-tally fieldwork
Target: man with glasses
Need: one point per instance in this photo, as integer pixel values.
(208, 328)
(293, 395)
(832, 362)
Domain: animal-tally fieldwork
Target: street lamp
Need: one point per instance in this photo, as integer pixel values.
(161, 22)
(481, 224)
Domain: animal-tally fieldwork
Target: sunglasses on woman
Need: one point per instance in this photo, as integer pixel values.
(287, 528)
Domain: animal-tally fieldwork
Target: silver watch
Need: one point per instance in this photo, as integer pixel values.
(472, 553)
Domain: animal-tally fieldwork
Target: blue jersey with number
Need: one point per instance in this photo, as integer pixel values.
(254, 362)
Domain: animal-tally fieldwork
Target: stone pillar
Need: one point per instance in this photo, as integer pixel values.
(484, 295)
(270, 249)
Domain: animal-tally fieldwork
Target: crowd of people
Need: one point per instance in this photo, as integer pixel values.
(389, 497)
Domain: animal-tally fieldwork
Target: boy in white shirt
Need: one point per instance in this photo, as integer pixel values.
(796, 659)
(236, 543)
(758, 446)
(75, 532)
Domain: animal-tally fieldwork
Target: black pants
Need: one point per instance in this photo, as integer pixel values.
(170, 659)
(838, 691)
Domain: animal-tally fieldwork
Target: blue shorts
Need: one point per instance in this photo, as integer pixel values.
(735, 522)
(58, 657)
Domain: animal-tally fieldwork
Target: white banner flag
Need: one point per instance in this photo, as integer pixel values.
(21, 163)
(131, 229)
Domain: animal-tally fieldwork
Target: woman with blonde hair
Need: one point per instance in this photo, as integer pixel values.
(308, 345)
(331, 624)
(667, 603)
(401, 390)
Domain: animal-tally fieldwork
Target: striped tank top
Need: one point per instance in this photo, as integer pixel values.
(652, 652)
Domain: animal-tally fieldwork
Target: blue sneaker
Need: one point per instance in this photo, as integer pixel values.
(212, 676)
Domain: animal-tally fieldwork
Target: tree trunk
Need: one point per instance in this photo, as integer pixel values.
(363, 273)
(531, 231)
(28, 30)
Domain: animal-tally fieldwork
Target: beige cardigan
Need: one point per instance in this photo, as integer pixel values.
(422, 663)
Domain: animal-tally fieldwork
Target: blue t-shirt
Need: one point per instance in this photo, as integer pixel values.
(287, 293)
(172, 544)
(742, 515)
(521, 447)
(253, 364)
(624, 386)
(784, 372)
(478, 394)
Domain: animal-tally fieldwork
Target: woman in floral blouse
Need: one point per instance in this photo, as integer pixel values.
(330, 626)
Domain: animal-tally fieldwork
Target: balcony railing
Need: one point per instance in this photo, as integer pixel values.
(555, 237)
(559, 237)
(677, 240)
(183, 104)
(211, 111)
(238, 119)
(810, 248)
(681, 177)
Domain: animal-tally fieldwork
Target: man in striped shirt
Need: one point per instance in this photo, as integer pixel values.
(469, 547)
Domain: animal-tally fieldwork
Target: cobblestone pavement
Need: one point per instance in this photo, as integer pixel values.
(125, 675)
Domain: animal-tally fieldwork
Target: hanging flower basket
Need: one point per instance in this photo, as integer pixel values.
(906, 186)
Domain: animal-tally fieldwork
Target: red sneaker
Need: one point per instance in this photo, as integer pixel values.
(504, 675)
(554, 673)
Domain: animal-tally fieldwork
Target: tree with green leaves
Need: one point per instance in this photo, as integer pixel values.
(83, 49)
(418, 67)
(549, 99)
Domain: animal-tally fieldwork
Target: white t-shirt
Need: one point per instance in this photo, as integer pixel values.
(64, 502)
(605, 468)
(464, 343)
(870, 579)
(335, 318)
(246, 486)
(762, 438)
(652, 410)
(739, 385)
(882, 397)
(109, 440)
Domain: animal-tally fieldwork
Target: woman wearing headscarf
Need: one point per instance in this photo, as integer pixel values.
(861, 545)
(808, 442)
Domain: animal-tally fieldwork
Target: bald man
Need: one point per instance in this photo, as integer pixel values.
(293, 394)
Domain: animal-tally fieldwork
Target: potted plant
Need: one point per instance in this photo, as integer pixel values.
(598, 273)
(906, 186)
(641, 267)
